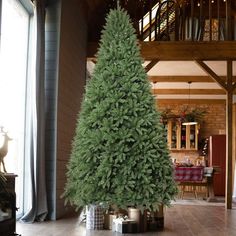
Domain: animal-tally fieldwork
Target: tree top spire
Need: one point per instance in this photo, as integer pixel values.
(118, 4)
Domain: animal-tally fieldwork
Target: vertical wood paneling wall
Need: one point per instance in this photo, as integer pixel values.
(66, 43)
(72, 77)
(52, 32)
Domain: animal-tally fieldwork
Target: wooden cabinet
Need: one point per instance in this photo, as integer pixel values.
(8, 226)
(174, 135)
(182, 137)
(217, 159)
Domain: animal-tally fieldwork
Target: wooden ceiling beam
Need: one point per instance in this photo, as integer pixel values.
(212, 74)
(193, 101)
(150, 65)
(94, 61)
(182, 50)
(234, 85)
(186, 91)
(180, 78)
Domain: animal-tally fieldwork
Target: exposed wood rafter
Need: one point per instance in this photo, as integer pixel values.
(175, 79)
(186, 91)
(94, 61)
(151, 64)
(182, 50)
(234, 86)
(193, 101)
(212, 74)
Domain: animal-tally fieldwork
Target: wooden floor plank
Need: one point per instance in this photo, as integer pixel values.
(182, 220)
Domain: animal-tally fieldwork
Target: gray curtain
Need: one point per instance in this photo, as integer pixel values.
(35, 129)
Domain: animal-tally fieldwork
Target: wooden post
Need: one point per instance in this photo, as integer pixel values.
(177, 31)
(218, 18)
(192, 21)
(210, 20)
(142, 23)
(229, 118)
(202, 21)
(159, 19)
(150, 21)
(234, 141)
(167, 19)
(229, 136)
(183, 21)
(228, 20)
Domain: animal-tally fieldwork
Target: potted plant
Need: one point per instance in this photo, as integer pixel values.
(119, 152)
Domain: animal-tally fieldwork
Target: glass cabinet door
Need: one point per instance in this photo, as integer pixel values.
(182, 136)
(192, 136)
(173, 135)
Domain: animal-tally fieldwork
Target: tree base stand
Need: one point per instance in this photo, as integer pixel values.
(155, 220)
(148, 221)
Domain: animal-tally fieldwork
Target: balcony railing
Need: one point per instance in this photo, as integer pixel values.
(193, 20)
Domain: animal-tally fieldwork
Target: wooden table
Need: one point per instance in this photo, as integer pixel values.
(193, 177)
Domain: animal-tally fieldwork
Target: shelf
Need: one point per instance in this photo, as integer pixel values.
(183, 150)
(182, 137)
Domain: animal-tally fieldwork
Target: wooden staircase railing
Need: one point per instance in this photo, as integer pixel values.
(192, 20)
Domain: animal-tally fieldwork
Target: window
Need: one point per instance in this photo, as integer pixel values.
(14, 45)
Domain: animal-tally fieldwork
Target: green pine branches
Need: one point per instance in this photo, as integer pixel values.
(119, 154)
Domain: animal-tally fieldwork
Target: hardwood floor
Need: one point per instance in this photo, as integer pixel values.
(180, 220)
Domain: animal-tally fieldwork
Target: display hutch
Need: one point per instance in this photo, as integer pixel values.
(182, 136)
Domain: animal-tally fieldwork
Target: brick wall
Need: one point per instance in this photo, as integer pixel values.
(214, 120)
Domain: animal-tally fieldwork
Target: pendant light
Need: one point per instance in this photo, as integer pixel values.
(189, 122)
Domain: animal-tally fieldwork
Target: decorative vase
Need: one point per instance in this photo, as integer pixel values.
(94, 217)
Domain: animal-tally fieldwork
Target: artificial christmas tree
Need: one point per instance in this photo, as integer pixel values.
(119, 154)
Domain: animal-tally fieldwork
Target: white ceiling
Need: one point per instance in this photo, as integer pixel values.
(185, 85)
(184, 68)
(187, 68)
